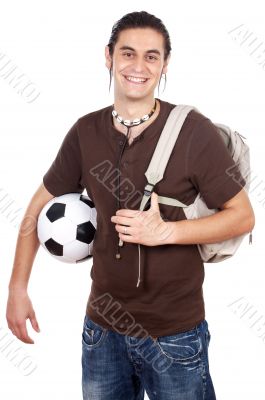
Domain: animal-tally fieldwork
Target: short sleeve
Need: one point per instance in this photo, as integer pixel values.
(64, 174)
(211, 167)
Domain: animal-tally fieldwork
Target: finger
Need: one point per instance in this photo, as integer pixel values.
(120, 228)
(122, 220)
(12, 328)
(128, 213)
(22, 333)
(13, 331)
(34, 322)
(126, 238)
(154, 201)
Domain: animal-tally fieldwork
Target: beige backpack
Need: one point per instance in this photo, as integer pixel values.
(239, 150)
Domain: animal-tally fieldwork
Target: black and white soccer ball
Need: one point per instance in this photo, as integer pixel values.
(66, 227)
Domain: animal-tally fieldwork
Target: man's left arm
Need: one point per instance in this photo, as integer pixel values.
(235, 218)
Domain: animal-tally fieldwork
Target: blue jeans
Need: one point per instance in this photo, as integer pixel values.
(123, 367)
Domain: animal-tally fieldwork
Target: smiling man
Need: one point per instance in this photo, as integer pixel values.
(142, 332)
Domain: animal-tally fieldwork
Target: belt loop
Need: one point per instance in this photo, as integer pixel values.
(198, 330)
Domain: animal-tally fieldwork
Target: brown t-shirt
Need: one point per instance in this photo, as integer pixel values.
(170, 297)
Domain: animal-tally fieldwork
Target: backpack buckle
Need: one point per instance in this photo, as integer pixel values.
(148, 189)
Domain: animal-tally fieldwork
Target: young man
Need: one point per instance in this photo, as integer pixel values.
(143, 330)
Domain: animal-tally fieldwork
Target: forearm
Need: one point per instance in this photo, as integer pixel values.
(26, 248)
(218, 227)
(27, 241)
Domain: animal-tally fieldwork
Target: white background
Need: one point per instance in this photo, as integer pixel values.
(60, 47)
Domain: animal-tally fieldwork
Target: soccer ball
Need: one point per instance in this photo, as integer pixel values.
(66, 227)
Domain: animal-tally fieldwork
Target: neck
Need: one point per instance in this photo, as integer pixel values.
(137, 128)
(131, 109)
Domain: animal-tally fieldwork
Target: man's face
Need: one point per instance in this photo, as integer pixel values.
(138, 53)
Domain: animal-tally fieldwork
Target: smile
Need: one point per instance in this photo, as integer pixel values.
(136, 80)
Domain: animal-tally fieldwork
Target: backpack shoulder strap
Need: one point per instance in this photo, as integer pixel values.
(164, 147)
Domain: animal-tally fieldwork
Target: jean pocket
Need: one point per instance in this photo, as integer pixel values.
(93, 334)
(181, 347)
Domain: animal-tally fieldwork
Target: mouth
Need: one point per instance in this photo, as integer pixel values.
(135, 80)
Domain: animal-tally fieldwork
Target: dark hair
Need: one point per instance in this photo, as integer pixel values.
(139, 19)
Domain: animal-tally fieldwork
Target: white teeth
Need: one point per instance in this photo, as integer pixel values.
(131, 78)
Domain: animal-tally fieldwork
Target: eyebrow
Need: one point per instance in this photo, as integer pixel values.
(148, 51)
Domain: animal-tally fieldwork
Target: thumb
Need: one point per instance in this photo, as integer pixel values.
(154, 201)
(34, 322)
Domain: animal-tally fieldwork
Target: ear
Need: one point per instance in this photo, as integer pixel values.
(164, 70)
(108, 58)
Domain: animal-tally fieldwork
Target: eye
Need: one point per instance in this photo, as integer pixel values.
(152, 57)
(126, 54)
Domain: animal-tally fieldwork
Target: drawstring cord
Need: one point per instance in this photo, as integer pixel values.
(139, 265)
(120, 242)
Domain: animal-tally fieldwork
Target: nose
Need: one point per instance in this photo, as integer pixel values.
(139, 65)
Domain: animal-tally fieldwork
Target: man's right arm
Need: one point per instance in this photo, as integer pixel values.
(19, 306)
